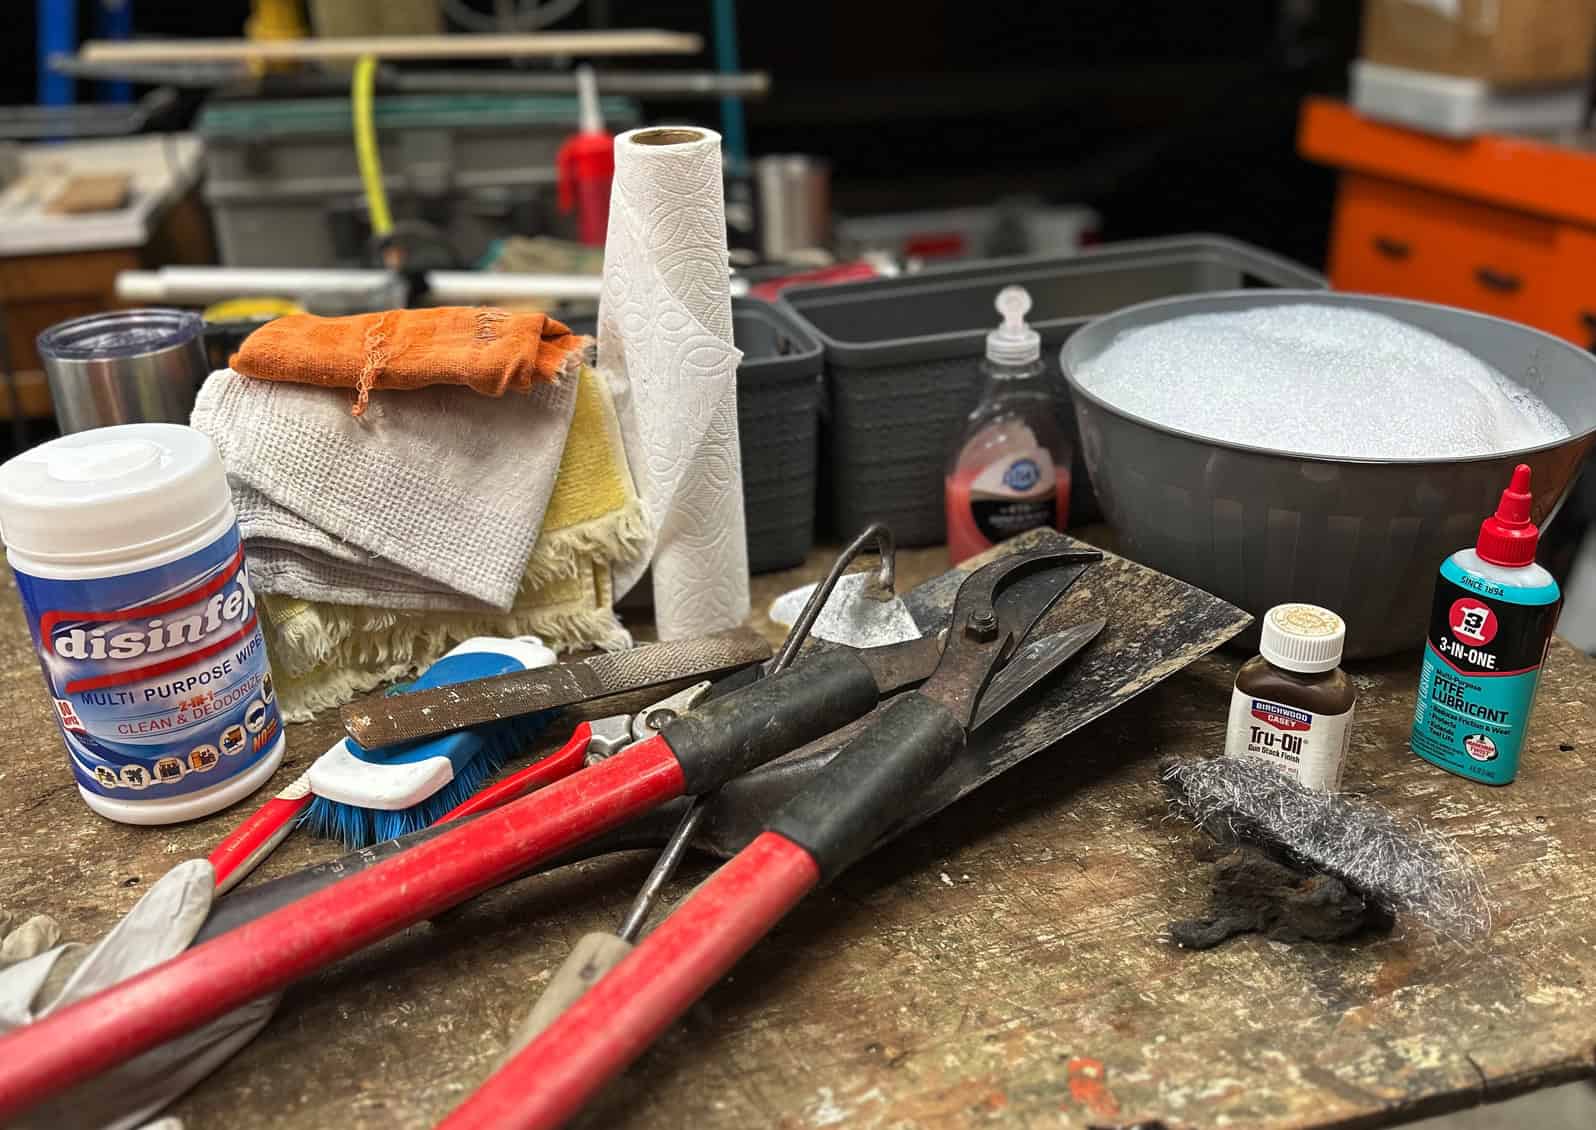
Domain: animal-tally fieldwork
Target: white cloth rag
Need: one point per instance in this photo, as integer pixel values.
(430, 501)
(160, 926)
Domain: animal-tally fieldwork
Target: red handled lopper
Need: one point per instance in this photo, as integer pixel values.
(847, 808)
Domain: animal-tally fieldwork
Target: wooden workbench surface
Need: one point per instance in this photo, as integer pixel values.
(1005, 963)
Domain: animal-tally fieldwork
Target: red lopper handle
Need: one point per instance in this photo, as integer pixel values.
(550, 1079)
(262, 956)
(568, 759)
(256, 838)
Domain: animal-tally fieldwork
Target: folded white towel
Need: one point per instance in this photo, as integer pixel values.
(432, 500)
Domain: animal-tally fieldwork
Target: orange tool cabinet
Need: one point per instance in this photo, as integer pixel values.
(1496, 224)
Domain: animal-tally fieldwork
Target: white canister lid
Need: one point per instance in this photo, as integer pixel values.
(111, 493)
(1303, 638)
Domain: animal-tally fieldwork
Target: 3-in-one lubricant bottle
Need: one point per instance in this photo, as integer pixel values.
(1490, 627)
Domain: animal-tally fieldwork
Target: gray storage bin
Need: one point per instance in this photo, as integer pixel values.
(278, 171)
(902, 358)
(778, 409)
(778, 423)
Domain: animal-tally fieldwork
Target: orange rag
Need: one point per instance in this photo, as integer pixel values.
(491, 351)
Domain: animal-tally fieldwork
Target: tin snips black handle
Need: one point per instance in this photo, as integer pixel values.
(862, 791)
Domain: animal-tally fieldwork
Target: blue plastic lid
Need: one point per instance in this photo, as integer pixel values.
(118, 334)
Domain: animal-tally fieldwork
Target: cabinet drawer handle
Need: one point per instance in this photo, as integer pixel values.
(1392, 248)
(1499, 281)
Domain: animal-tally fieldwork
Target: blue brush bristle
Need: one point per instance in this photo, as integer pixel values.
(358, 827)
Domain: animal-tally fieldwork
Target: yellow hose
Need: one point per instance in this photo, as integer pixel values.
(360, 97)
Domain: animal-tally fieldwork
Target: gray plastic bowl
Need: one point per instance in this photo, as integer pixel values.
(1363, 537)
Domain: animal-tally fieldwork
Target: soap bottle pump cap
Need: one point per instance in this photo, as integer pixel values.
(1508, 537)
(1014, 342)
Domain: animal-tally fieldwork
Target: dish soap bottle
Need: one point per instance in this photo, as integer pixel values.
(1490, 626)
(1009, 472)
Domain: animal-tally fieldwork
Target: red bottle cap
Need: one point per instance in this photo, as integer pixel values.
(1508, 537)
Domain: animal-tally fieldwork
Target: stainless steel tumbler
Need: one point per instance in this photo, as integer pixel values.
(794, 200)
(124, 367)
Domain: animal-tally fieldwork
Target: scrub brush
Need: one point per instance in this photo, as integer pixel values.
(363, 796)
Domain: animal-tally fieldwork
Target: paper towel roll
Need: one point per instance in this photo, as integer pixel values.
(665, 339)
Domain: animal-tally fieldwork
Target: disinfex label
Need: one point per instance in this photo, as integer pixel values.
(160, 679)
(1477, 685)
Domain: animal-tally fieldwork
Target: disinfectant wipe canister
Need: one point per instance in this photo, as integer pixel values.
(128, 560)
(1490, 626)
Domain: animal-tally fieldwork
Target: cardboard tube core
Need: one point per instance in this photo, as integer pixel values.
(669, 136)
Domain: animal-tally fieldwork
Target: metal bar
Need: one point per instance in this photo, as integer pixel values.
(675, 84)
(58, 32)
(203, 75)
(466, 287)
(544, 44)
(748, 84)
(664, 867)
(114, 20)
(732, 122)
(198, 286)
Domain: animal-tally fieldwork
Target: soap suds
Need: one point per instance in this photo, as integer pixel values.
(1312, 379)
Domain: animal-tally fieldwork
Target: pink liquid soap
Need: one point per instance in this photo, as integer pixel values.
(1011, 469)
(965, 538)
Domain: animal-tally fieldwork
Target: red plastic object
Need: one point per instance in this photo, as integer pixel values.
(935, 245)
(1508, 537)
(585, 168)
(254, 839)
(771, 289)
(611, 1025)
(271, 952)
(568, 759)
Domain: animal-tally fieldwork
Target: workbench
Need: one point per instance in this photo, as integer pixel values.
(1004, 963)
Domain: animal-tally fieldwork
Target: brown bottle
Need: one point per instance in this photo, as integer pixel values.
(1292, 706)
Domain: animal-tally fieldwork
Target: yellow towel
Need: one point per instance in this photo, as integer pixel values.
(323, 654)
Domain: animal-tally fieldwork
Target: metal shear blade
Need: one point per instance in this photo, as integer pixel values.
(995, 609)
(1033, 662)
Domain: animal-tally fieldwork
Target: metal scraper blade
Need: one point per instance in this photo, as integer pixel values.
(388, 719)
(1156, 626)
